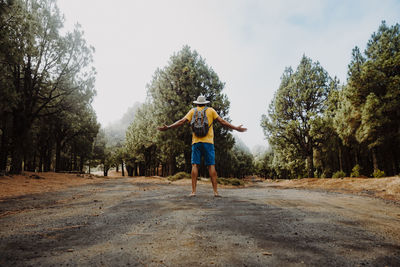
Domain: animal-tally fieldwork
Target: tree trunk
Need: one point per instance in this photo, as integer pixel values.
(172, 164)
(71, 160)
(356, 157)
(58, 155)
(17, 155)
(374, 159)
(41, 156)
(340, 158)
(122, 168)
(81, 161)
(395, 163)
(135, 167)
(130, 170)
(34, 161)
(4, 145)
(310, 165)
(142, 169)
(47, 160)
(188, 161)
(75, 166)
(19, 131)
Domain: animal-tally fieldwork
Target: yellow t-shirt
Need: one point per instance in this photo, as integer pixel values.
(211, 116)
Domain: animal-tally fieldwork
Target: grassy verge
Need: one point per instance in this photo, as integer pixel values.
(230, 181)
(178, 176)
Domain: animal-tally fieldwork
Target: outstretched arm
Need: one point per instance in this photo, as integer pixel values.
(228, 125)
(174, 125)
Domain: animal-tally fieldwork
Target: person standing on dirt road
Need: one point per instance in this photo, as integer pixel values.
(203, 145)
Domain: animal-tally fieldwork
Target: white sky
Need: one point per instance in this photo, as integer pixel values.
(247, 42)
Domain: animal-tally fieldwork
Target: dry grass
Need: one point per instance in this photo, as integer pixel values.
(31, 183)
(386, 188)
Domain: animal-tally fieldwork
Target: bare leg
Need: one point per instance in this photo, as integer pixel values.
(195, 173)
(213, 175)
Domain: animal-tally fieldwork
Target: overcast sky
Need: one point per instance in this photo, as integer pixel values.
(248, 43)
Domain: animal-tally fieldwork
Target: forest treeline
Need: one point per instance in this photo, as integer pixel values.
(317, 127)
(46, 89)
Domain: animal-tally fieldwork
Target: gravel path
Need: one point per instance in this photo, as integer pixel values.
(122, 222)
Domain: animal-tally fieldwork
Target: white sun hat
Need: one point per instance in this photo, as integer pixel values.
(201, 100)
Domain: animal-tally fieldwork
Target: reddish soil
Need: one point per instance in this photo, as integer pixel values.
(31, 183)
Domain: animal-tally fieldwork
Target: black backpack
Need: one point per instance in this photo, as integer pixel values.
(199, 123)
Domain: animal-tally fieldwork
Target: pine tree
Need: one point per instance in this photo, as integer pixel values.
(371, 99)
(295, 117)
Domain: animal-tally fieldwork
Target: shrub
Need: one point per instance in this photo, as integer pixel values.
(339, 174)
(355, 172)
(230, 181)
(179, 176)
(327, 173)
(378, 173)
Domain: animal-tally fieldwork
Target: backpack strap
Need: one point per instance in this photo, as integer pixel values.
(203, 114)
(195, 113)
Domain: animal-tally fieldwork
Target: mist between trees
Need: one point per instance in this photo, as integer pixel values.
(315, 125)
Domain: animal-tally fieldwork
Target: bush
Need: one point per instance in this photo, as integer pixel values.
(179, 176)
(230, 181)
(378, 173)
(355, 172)
(339, 174)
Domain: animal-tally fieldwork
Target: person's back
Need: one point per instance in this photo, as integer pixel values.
(203, 145)
(211, 116)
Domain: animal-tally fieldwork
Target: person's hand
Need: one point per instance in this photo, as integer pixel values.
(240, 128)
(163, 128)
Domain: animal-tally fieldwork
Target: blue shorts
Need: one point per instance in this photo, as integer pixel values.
(203, 149)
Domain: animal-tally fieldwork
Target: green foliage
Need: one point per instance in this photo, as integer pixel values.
(368, 113)
(378, 174)
(46, 89)
(141, 140)
(355, 172)
(230, 181)
(339, 174)
(295, 117)
(241, 160)
(357, 123)
(179, 176)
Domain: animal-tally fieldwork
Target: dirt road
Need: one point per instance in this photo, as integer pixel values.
(129, 222)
